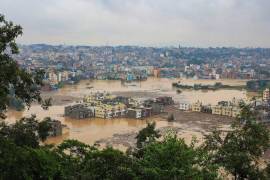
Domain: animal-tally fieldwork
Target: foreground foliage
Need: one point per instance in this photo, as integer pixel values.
(22, 155)
(240, 150)
(25, 86)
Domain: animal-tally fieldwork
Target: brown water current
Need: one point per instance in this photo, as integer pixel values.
(91, 130)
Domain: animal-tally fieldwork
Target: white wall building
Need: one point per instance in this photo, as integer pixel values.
(184, 106)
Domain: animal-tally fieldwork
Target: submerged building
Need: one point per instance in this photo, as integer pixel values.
(80, 111)
(56, 128)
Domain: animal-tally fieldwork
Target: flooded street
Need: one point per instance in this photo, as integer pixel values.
(91, 130)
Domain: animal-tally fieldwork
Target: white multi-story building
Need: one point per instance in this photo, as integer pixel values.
(184, 106)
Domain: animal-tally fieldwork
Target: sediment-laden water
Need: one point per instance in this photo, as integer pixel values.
(91, 130)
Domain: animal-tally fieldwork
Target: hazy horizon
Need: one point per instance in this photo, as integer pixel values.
(146, 23)
(142, 46)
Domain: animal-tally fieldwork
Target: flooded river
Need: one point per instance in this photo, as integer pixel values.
(154, 87)
(91, 130)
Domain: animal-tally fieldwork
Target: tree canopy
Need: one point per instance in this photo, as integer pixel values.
(240, 150)
(25, 85)
(23, 156)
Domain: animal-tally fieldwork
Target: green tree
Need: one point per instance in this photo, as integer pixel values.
(240, 150)
(26, 132)
(43, 128)
(108, 164)
(81, 161)
(172, 158)
(17, 162)
(147, 135)
(71, 154)
(25, 85)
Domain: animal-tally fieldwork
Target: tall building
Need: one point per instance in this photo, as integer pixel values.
(266, 94)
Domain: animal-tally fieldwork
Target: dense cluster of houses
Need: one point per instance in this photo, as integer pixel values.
(224, 108)
(105, 105)
(260, 106)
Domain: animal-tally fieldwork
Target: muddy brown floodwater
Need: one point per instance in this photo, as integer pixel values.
(91, 130)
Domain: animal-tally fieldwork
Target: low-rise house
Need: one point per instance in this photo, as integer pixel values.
(100, 112)
(119, 110)
(122, 99)
(197, 107)
(79, 111)
(224, 103)
(226, 111)
(104, 111)
(217, 110)
(184, 106)
(148, 102)
(134, 102)
(56, 128)
(206, 109)
(134, 113)
(165, 100)
(146, 112)
(157, 108)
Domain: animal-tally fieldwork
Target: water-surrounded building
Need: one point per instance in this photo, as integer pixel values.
(184, 106)
(197, 106)
(80, 111)
(56, 128)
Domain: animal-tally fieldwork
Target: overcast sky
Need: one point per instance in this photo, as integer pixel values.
(239, 23)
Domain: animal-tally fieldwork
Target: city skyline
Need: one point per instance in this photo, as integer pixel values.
(199, 23)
